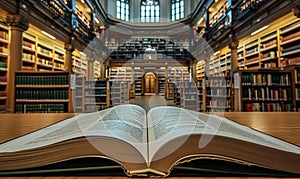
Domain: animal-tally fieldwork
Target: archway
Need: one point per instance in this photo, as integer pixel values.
(150, 81)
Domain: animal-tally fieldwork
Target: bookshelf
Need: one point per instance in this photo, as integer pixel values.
(201, 97)
(295, 84)
(289, 44)
(39, 54)
(200, 69)
(161, 74)
(266, 90)
(120, 93)
(97, 95)
(41, 92)
(189, 96)
(170, 91)
(4, 41)
(79, 93)
(218, 94)
(84, 12)
(79, 64)
(29, 52)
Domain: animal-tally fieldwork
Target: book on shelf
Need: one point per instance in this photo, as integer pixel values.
(147, 143)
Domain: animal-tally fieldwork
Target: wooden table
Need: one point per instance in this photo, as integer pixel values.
(283, 125)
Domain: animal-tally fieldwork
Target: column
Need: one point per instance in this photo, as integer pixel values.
(17, 25)
(234, 68)
(90, 68)
(68, 63)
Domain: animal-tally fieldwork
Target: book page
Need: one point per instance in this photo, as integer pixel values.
(125, 122)
(168, 123)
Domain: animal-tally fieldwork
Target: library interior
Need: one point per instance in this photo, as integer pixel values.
(60, 58)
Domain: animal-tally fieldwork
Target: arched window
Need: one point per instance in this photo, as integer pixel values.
(150, 11)
(123, 10)
(177, 9)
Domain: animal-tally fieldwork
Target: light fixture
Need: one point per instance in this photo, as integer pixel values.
(97, 21)
(82, 1)
(259, 30)
(217, 52)
(83, 54)
(48, 35)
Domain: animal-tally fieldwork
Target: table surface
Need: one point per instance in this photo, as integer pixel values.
(283, 125)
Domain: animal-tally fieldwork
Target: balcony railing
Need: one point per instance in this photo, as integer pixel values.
(242, 8)
(60, 10)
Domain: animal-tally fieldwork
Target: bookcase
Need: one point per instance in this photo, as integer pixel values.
(161, 74)
(189, 96)
(138, 84)
(79, 64)
(41, 55)
(295, 84)
(289, 44)
(41, 92)
(218, 94)
(97, 95)
(266, 90)
(201, 97)
(170, 91)
(79, 93)
(4, 40)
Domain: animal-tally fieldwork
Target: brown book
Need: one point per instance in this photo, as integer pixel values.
(153, 142)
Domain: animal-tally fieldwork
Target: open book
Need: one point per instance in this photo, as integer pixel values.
(149, 142)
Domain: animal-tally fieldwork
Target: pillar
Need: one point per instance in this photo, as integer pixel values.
(68, 62)
(234, 69)
(17, 25)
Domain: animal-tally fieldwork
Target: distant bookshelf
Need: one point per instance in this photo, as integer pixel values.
(4, 40)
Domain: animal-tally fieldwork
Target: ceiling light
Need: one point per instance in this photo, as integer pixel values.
(48, 35)
(259, 30)
(217, 52)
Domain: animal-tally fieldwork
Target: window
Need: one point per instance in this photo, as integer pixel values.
(177, 9)
(150, 11)
(123, 10)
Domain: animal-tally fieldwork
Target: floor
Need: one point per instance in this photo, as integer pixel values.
(150, 101)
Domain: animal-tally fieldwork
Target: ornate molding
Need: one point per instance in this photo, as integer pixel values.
(17, 21)
(234, 45)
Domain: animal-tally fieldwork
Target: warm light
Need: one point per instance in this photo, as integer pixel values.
(217, 52)
(83, 54)
(82, 1)
(259, 30)
(97, 21)
(48, 35)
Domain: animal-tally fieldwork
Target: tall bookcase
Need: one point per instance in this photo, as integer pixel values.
(41, 55)
(189, 96)
(79, 93)
(218, 94)
(161, 74)
(96, 95)
(4, 41)
(266, 90)
(41, 92)
(295, 84)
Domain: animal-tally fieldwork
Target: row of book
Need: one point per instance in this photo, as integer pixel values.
(40, 108)
(290, 61)
(283, 79)
(278, 94)
(297, 93)
(42, 80)
(40, 94)
(220, 82)
(95, 92)
(3, 35)
(98, 99)
(3, 94)
(29, 45)
(28, 56)
(268, 107)
(269, 44)
(222, 103)
(92, 108)
(218, 92)
(44, 51)
(3, 79)
(297, 76)
(3, 49)
(3, 65)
